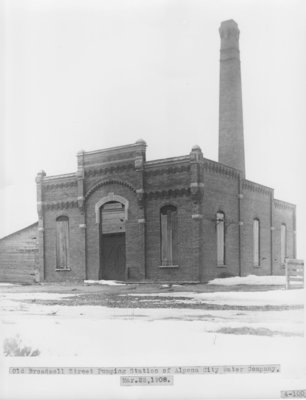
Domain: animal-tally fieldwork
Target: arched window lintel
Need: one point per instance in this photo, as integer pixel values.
(62, 217)
(168, 206)
(220, 216)
(167, 202)
(107, 199)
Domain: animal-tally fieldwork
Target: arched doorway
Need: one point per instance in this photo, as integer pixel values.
(112, 241)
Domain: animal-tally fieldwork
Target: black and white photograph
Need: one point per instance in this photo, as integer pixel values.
(152, 199)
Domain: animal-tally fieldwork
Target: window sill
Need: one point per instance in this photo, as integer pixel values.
(221, 266)
(168, 266)
(256, 266)
(62, 269)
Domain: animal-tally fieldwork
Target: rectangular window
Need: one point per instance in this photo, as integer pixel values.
(168, 221)
(62, 243)
(283, 243)
(220, 239)
(256, 243)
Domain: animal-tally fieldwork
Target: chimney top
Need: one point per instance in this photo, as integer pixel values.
(229, 22)
(229, 30)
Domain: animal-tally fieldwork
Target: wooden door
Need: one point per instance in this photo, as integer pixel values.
(113, 257)
(112, 241)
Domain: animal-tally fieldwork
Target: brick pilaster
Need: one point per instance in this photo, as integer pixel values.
(139, 167)
(240, 226)
(41, 224)
(272, 231)
(294, 232)
(196, 188)
(81, 206)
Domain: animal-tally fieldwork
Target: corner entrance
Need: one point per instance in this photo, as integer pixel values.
(112, 241)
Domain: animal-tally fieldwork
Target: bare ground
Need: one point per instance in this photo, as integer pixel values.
(119, 296)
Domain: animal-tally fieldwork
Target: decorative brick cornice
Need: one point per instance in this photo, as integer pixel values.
(215, 167)
(60, 185)
(92, 172)
(139, 144)
(56, 178)
(60, 205)
(166, 162)
(108, 182)
(283, 205)
(256, 187)
(178, 192)
(170, 170)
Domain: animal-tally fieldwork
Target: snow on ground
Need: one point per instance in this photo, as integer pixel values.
(87, 321)
(103, 282)
(7, 284)
(64, 330)
(101, 336)
(13, 301)
(93, 340)
(36, 296)
(250, 280)
(272, 297)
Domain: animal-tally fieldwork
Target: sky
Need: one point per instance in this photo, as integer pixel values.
(85, 75)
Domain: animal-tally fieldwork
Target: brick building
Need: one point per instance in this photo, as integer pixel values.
(184, 219)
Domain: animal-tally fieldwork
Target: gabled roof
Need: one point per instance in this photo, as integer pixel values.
(20, 230)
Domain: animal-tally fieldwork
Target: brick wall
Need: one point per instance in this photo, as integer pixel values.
(198, 187)
(60, 199)
(76, 264)
(133, 234)
(256, 204)
(18, 256)
(61, 190)
(283, 213)
(220, 195)
(168, 183)
(185, 270)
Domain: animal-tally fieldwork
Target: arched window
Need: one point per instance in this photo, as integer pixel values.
(220, 238)
(256, 242)
(283, 243)
(168, 226)
(62, 242)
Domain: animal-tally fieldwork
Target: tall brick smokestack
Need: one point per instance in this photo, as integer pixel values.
(231, 142)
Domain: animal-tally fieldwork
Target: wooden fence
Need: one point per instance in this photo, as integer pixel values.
(294, 273)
